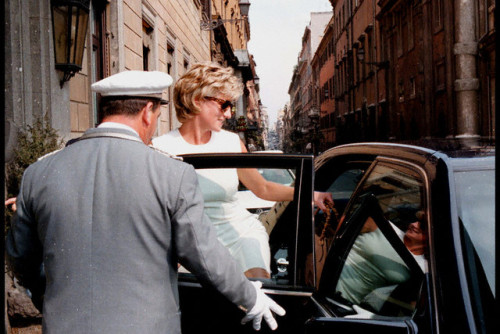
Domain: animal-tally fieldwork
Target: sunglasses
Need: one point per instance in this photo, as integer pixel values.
(224, 104)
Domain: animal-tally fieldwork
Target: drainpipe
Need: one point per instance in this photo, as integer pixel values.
(374, 52)
(466, 82)
(240, 106)
(350, 59)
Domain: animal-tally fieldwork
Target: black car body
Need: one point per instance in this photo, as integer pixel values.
(447, 289)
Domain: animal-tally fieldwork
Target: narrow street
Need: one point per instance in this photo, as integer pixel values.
(400, 72)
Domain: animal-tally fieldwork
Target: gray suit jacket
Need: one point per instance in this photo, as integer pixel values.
(113, 217)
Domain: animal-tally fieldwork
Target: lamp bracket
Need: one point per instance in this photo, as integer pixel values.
(69, 71)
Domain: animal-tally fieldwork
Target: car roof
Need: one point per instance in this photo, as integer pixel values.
(452, 152)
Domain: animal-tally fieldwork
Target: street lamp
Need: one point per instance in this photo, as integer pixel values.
(314, 123)
(215, 23)
(70, 19)
(361, 57)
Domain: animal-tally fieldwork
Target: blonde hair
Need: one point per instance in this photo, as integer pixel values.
(204, 79)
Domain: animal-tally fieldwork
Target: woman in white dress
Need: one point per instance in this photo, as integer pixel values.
(203, 101)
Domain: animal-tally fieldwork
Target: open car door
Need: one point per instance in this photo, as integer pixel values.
(394, 299)
(371, 281)
(290, 239)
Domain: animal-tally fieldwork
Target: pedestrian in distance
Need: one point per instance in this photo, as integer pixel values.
(102, 224)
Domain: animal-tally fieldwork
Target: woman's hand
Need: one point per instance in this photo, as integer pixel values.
(320, 198)
(12, 201)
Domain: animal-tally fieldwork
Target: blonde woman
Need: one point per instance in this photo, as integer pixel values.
(203, 99)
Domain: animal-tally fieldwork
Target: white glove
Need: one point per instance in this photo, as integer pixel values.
(361, 313)
(262, 308)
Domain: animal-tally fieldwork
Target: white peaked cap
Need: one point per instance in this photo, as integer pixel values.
(134, 84)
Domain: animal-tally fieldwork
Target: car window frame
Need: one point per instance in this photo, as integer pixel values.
(368, 208)
(324, 179)
(346, 235)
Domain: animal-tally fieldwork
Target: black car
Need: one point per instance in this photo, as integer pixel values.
(408, 247)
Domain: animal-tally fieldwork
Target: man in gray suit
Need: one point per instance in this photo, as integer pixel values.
(107, 219)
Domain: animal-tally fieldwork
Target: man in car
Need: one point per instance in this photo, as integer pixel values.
(373, 263)
(107, 218)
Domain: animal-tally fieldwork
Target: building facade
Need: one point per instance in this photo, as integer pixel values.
(229, 47)
(358, 90)
(323, 75)
(304, 106)
(414, 70)
(444, 90)
(122, 35)
(162, 35)
(284, 128)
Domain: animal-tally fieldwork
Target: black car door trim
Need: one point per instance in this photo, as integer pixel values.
(342, 325)
(320, 307)
(297, 198)
(266, 290)
(424, 171)
(287, 293)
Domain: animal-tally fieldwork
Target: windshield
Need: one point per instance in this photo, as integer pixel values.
(282, 176)
(476, 209)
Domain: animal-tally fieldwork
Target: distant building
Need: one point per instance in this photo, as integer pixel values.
(323, 77)
(358, 84)
(414, 70)
(304, 108)
(284, 128)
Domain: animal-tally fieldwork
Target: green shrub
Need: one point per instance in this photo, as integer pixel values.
(33, 142)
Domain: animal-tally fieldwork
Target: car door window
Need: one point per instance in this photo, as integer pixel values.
(374, 275)
(475, 197)
(341, 187)
(340, 178)
(399, 192)
(236, 213)
(257, 205)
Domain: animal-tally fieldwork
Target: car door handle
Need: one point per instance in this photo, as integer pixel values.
(282, 264)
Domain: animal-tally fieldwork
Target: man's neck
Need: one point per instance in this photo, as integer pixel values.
(132, 122)
(115, 125)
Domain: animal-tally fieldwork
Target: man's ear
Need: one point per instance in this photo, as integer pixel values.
(147, 114)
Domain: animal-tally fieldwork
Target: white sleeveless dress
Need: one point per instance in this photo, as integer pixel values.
(240, 231)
